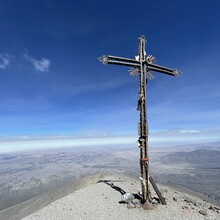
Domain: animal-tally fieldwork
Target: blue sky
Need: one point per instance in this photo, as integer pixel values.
(51, 83)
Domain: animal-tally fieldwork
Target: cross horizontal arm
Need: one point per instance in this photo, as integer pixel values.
(123, 63)
(123, 59)
(107, 59)
(162, 69)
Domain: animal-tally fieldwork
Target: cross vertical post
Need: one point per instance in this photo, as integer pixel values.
(142, 66)
(143, 124)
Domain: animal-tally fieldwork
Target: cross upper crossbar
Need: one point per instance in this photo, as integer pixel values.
(108, 59)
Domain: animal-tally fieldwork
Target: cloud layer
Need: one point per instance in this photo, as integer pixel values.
(4, 61)
(41, 65)
(159, 139)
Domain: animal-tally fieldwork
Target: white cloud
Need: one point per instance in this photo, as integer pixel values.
(189, 131)
(41, 65)
(23, 144)
(171, 137)
(4, 61)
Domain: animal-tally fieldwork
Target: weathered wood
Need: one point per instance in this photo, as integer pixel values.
(161, 198)
(142, 65)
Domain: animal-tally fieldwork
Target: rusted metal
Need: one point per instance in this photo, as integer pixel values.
(142, 66)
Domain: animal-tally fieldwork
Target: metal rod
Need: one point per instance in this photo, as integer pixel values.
(122, 63)
(162, 71)
(160, 67)
(123, 59)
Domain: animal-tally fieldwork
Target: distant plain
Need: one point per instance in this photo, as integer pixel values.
(25, 175)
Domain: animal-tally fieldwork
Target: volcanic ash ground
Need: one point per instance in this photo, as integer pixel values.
(100, 197)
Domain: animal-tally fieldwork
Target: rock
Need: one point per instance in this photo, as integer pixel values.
(131, 205)
(212, 208)
(192, 201)
(175, 199)
(203, 212)
(136, 202)
(185, 207)
(155, 200)
(148, 206)
(127, 197)
(163, 191)
(217, 208)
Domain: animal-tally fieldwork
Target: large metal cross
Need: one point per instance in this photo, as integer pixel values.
(142, 66)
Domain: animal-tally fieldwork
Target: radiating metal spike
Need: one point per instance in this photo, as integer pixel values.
(151, 59)
(134, 71)
(103, 59)
(177, 72)
(142, 38)
(149, 75)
